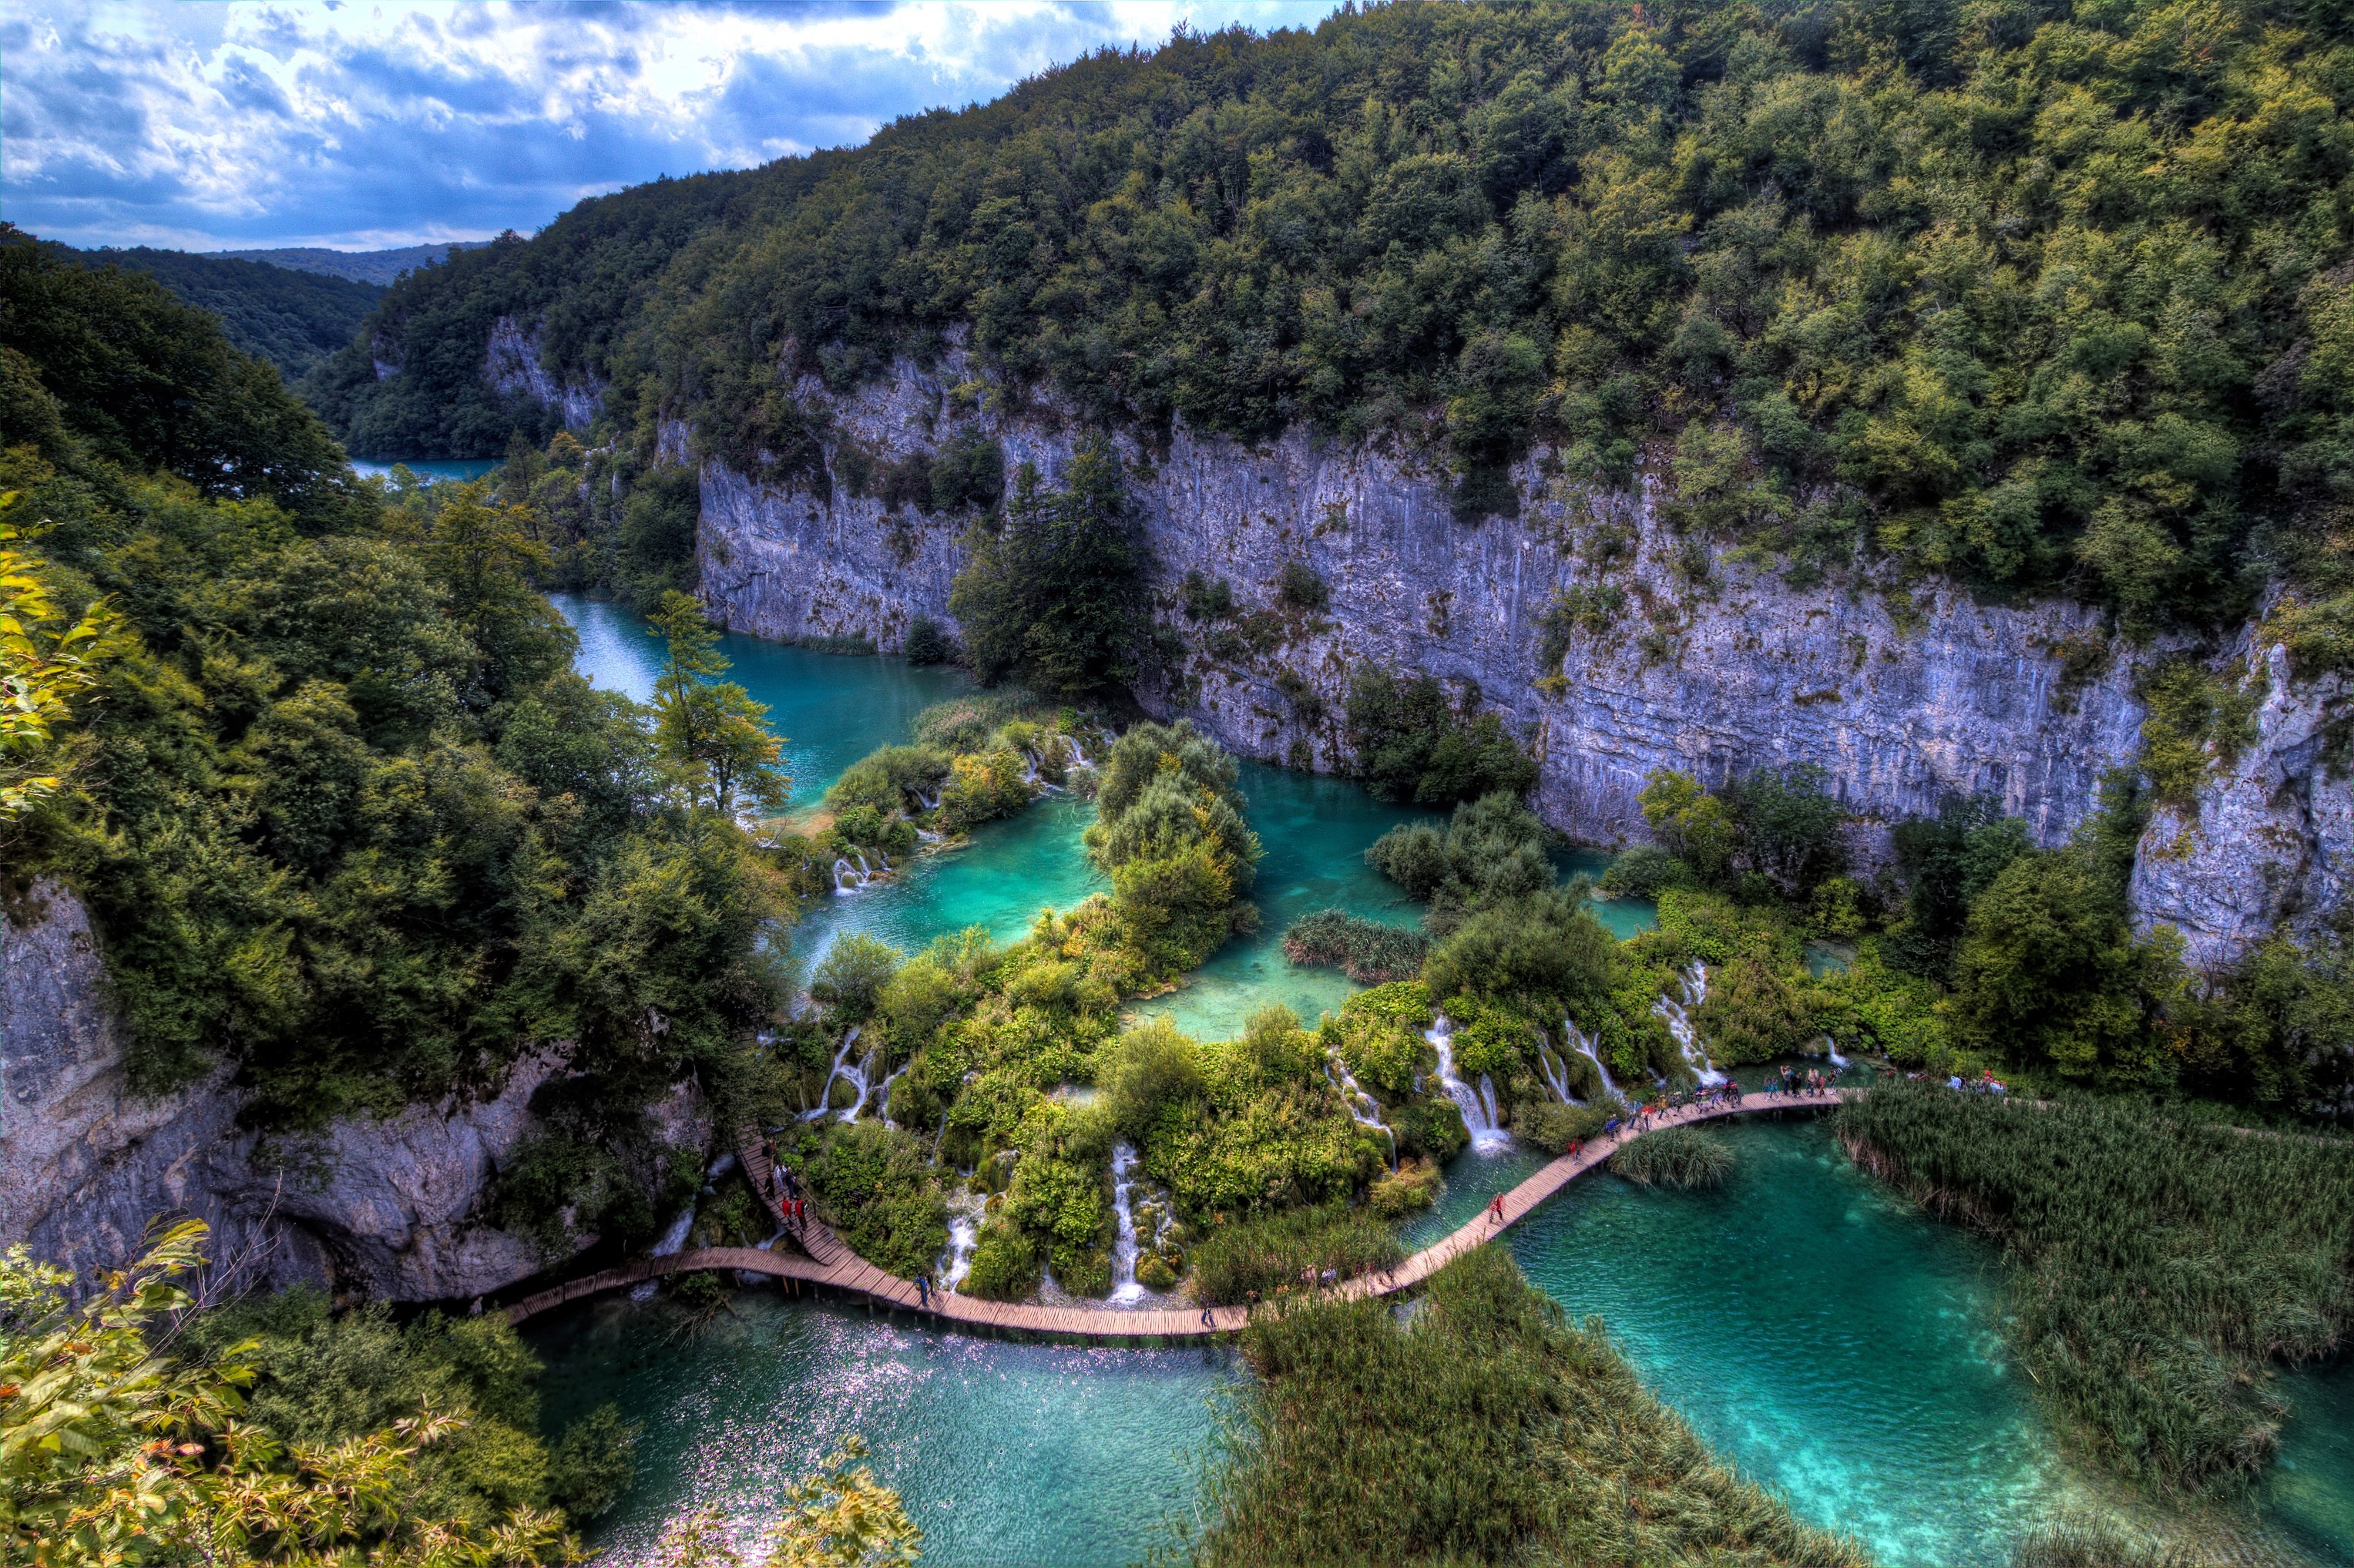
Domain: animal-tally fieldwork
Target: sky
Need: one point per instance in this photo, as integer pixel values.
(239, 125)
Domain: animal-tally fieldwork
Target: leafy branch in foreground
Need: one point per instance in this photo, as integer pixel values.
(112, 1453)
(42, 669)
(835, 1517)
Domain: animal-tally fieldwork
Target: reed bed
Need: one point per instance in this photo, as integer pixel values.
(1682, 1158)
(1263, 1259)
(1482, 1428)
(1367, 951)
(2160, 1270)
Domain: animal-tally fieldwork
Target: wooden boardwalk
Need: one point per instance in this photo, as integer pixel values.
(823, 1259)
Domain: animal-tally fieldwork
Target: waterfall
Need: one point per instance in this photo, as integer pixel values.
(929, 802)
(1478, 1107)
(1679, 1016)
(1832, 1050)
(882, 1094)
(1584, 1044)
(673, 1241)
(965, 1212)
(841, 1069)
(1363, 1109)
(1124, 1287)
(1078, 758)
(925, 836)
(1556, 1072)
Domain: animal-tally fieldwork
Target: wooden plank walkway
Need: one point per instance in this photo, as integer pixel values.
(823, 1259)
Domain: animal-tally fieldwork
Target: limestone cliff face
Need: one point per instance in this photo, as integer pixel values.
(513, 365)
(388, 1209)
(2271, 841)
(1707, 663)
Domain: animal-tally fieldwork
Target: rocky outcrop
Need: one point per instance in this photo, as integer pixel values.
(390, 1209)
(1674, 653)
(515, 367)
(2270, 842)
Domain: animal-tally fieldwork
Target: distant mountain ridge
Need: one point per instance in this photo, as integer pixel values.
(292, 317)
(377, 266)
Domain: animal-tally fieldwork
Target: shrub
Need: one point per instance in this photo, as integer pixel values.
(1370, 952)
(1677, 1157)
(1005, 1267)
(1280, 1253)
(1409, 743)
(1206, 599)
(1415, 1184)
(1553, 1127)
(874, 1186)
(1297, 587)
(928, 642)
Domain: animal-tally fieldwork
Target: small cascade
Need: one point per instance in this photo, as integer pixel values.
(882, 1094)
(1124, 1287)
(1556, 1072)
(1030, 769)
(1478, 1106)
(841, 1069)
(925, 836)
(1832, 1052)
(1363, 1109)
(673, 1241)
(1079, 757)
(1585, 1045)
(965, 1213)
(1678, 1013)
(930, 803)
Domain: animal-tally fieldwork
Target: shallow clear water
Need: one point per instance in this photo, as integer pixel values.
(1003, 1453)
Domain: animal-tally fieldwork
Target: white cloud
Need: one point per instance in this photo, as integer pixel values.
(367, 124)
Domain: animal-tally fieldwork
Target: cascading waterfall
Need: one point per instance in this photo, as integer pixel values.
(1832, 1050)
(1585, 1045)
(1556, 1072)
(1124, 1287)
(1363, 1109)
(966, 1211)
(673, 1241)
(882, 1093)
(1478, 1106)
(1678, 1014)
(841, 1069)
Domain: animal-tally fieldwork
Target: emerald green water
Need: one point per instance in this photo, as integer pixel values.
(832, 709)
(1823, 1338)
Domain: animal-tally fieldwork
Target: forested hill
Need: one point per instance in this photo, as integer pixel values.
(2048, 295)
(341, 812)
(292, 319)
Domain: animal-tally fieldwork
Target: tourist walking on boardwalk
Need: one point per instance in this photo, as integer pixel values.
(924, 1292)
(1496, 1209)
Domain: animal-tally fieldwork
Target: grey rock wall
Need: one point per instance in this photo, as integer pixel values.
(2272, 840)
(1905, 699)
(388, 1209)
(513, 367)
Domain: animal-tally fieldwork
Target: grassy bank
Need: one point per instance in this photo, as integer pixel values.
(2160, 1270)
(1486, 1428)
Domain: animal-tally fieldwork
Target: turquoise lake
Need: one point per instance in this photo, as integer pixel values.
(1819, 1334)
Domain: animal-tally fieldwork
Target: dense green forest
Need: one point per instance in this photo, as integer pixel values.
(292, 319)
(2047, 294)
(341, 812)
